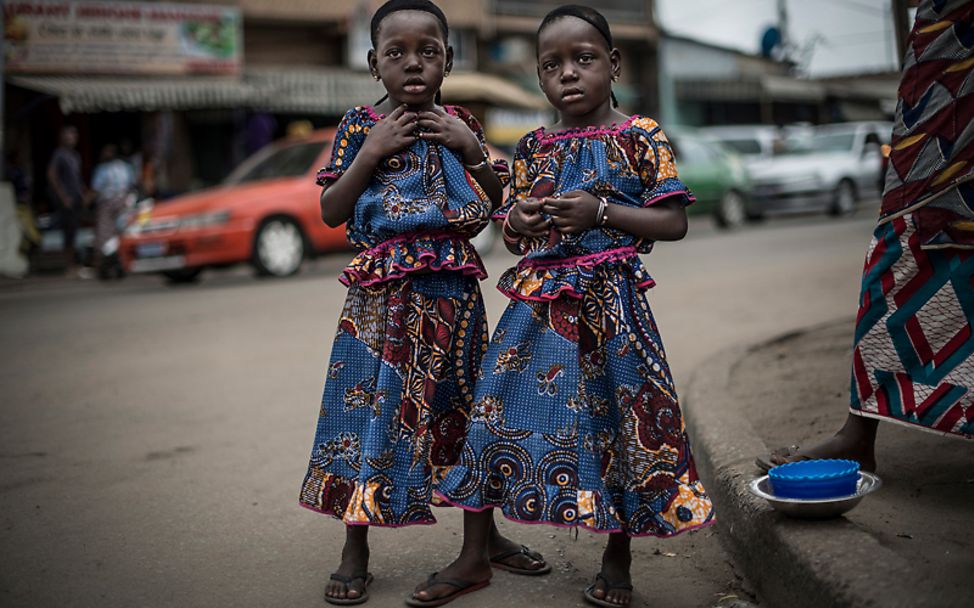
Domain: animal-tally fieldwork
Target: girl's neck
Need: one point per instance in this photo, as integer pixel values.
(600, 117)
(390, 103)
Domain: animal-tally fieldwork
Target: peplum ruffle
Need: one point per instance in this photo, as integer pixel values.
(413, 253)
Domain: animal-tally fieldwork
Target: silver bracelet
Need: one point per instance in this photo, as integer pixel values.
(482, 164)
(601, 217)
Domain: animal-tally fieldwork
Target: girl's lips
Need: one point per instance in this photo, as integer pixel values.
(572, 95)
(414, 87)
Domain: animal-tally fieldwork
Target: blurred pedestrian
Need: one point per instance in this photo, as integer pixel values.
(113, 182)
(576, 422)
(68, 193)
(413, 182)
(912, 361)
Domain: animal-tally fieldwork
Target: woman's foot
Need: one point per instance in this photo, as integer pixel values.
(508, 555)
(354, 567)
(614, 584)
(855, 441)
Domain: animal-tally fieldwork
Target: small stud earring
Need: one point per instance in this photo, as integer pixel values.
(375, 77)
(615, 78)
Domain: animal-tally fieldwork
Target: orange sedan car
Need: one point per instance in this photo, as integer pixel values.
(265, 213)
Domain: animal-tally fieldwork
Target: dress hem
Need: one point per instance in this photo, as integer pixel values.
(500, 508)
(912, 425)
(334, 515)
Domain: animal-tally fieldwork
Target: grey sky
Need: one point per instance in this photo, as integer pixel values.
(850, 35)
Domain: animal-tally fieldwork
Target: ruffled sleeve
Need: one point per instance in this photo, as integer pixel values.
(349, 138)
(499, 165)
(657, 165)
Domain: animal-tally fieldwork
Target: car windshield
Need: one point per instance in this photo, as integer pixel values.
(743, 146)
(288, 161)
(821, 142)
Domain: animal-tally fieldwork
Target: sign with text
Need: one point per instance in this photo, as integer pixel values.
(61, 37)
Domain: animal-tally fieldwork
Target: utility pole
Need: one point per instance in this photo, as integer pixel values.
(901, 23)
(783, 31)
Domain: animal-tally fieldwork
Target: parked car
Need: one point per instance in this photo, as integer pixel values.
(715, 175)
(756, 142)
(265, 213)
(833, 170)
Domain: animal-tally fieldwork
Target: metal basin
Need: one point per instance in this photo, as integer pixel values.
(821, 508)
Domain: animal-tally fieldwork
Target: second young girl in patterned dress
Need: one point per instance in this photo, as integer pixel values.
(412, 181)
(575, 419)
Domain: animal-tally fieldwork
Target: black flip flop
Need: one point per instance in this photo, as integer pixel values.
(463, 588)
(348, 580)
(609, 586)
(497, 561)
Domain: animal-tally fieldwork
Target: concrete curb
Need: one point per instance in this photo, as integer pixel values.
(789, 562)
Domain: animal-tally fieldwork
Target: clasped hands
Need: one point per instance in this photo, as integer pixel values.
(570, 212)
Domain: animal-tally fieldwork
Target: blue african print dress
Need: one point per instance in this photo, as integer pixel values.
(410, 337)
(575, 419)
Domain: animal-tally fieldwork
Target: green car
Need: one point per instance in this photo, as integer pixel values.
(715, 175)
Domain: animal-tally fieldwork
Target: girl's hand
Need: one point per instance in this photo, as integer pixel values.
(390, 135)
(447, 130)
(573, 211)
(526, 219)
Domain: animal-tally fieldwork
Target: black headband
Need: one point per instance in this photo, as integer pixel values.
(585, 13)
(393, 6)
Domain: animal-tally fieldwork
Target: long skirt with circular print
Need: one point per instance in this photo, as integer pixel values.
(397, 398)
(576, 422)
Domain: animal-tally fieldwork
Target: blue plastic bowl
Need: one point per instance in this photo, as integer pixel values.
(815, 479)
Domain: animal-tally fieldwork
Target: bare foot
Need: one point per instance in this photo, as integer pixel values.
(355, 565)
(855, 441)
(614, 584)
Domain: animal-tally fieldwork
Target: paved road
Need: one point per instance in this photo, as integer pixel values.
(152, 439)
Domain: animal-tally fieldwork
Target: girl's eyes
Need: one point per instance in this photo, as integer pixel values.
(394, 53)
(548, 66)
(586, 59)
(430, 51)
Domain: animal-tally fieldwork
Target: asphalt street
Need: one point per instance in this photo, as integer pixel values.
(153, 438)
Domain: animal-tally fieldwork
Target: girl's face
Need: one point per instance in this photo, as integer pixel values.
(575, 68)
(411, 57)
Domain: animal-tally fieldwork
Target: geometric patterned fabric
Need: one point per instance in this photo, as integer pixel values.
(931, 166)
(913, 343)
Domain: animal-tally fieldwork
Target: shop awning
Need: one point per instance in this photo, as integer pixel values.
(283, 90)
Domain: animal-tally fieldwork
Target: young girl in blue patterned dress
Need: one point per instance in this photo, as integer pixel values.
(575, 419)
(413, 182)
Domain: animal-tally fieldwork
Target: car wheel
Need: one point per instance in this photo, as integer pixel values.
(183, 275)
(278, 248)
(843, 199)
(731, 210)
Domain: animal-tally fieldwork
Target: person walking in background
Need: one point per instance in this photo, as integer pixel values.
(68, 193)
(912, 362)
(113, 181)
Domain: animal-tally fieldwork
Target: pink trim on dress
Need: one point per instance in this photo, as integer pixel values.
(398, 271)
(590, 131)
(589, 259)
(450, 109)
(652, 201)
(330, 513)
(713, 520)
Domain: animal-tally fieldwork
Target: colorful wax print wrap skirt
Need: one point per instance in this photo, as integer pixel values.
(397, 397)
(575, 420)
(913, 342)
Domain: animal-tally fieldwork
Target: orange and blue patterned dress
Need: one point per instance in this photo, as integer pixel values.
(575, 420)
(398, 388)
